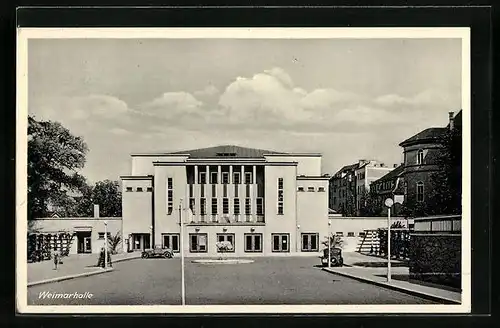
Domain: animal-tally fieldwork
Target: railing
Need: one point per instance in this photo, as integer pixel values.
(228, 219)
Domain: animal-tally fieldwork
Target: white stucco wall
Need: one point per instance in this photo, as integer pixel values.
(307, 165)
(53, 225)
(143, 165)
(136, 208)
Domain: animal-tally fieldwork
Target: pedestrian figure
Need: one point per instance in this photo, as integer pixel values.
(101, 258)
(55, 255)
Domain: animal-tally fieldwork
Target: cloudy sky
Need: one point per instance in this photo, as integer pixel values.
(348, 99)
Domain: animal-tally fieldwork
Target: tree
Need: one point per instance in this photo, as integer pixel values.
(370, 206)
(54, 158)
(114, 242)
(446, 193)
(107, 194)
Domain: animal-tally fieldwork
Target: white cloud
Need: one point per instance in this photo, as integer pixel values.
(209, 90)
(119, 131)
(171, 104)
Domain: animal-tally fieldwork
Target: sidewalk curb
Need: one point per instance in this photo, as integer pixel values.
(79, 275)
(396, 288)
(85, 274)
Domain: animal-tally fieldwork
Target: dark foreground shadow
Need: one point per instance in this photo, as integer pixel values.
(404, 277)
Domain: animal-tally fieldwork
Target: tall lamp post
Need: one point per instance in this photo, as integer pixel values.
(329, 245)
(105, 244)
(183, 288)
(389, 202)
(151, 237)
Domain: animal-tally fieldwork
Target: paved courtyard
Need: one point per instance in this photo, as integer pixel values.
(269, 281)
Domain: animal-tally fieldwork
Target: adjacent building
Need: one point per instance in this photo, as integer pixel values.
(350, 185)
(263, 202)
(386, 187)
(420, 160)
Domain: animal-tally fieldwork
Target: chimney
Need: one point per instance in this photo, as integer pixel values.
(450, 117)
(96, 211)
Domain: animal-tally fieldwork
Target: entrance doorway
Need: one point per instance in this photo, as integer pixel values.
(140, 241)
(84, 242)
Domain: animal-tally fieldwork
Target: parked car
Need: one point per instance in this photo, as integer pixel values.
(158, 251)
(335, 257)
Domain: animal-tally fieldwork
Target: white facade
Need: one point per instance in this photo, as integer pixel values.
(283, 202)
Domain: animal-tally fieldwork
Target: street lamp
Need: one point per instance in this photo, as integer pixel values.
(389, 202)
(329, 245)
(105, 244)
(151, 237)
(183, 288)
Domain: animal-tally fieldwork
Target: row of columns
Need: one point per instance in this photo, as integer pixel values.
(219, 173)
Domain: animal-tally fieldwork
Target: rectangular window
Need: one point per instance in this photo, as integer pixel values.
(247, 190)
(248, 177)
(260, 206)
(280, 242)
(236, 178)
(202, 190)
(247, 206)
(321, 189)
(191, 190)
(225, 177)
(203, 178)
(224, 190)
(310, 189)
(170, 195)
(226, 237)
(139, 189)
(213, 178)
(129, 189)
(214, 190)
(198, 242)
(236, 206)
(149, 189)
(280, 196)
(253, 242)
(236, 190)
(361, 234)
(192, 205)
(214, 205)
(420, 192)
(339, 233)
(225, 205)
(310, 242)
(101, 235)
(350, 234)
(300, 188)
(203, 206)
(171, 240)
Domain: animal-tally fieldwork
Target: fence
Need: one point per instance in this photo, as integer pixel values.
(375, 242)
(41, 245)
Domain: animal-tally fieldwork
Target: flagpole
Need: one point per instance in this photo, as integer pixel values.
(183, 289)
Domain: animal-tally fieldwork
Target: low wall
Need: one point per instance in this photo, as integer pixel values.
(435, 255)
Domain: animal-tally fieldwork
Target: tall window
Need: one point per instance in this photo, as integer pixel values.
(247, 206)
(260, 206)
(280, 242)
(236, 206)
(248, 177)
(236, 178)
(225, 205)
(236, 190)
(171, 240)
(226, 237)
(214, 205)
(203, 206)
(192, 205)
(213, 177)
(191, 190)
(420, 157)
(203, 178)
(202, 190)
(253, 242)
(225, 177)
(310, 242)
(224, 190)
(170, 195)
(198, 242)
(420, 191)
(214, 191)
(280, 196)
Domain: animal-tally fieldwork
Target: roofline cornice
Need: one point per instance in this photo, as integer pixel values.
(136, 177)
(158, 154)
(258, 163)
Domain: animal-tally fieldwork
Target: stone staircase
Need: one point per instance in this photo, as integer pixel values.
(368, 244)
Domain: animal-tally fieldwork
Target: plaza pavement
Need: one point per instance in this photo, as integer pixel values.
(266, 281)
(73, 266)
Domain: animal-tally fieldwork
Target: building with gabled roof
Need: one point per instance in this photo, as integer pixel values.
(263, 202)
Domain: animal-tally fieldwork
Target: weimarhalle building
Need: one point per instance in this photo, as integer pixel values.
(263, 202)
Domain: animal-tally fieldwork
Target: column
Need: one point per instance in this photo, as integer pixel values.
(218, 187)
(230, 193)
(196, 195)
(241, 190)
(253, 192)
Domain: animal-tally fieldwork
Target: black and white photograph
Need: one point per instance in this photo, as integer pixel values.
(235, 170)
